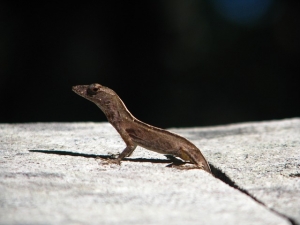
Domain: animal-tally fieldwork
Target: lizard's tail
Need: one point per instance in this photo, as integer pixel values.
(200, 160)
(206, 167)
(195, 156)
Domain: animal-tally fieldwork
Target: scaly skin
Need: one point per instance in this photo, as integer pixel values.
(134, 132)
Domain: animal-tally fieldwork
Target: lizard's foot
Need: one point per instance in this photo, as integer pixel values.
(184, 166)
(181, 165)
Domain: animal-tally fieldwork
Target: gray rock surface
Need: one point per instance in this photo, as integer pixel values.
(49, 175)
(261, 158)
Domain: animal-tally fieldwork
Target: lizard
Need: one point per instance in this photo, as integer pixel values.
(137, 133)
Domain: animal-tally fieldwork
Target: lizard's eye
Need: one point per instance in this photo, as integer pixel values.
(93, 89)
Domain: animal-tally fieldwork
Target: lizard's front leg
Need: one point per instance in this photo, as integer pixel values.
(126, 152)
(130, 147)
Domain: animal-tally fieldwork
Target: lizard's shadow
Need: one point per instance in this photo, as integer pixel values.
(170, 159)
(60, 152)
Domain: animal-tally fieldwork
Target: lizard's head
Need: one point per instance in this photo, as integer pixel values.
(100, 95)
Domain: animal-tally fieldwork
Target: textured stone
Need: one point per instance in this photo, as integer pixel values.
(49, 175)
(261, 158)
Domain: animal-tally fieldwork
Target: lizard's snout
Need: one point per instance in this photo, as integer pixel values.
(80, 89)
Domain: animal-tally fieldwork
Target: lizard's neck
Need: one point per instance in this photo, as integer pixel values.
(116, 111)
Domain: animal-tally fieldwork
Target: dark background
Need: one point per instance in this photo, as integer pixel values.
(174, 63)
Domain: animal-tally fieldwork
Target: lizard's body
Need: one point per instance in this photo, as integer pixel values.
(135, 132)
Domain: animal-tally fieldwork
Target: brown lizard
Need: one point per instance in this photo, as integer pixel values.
(134, 132)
